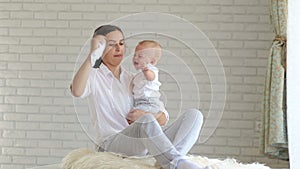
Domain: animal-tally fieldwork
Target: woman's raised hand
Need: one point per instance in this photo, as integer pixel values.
(97, 41)
(98, 44)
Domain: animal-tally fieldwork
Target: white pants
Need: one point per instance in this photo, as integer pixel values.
(167, 146)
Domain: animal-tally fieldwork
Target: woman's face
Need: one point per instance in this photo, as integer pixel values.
(115, 49)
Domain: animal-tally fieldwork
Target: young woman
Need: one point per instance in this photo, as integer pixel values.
(106, 85)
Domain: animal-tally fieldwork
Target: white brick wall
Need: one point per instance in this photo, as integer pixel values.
(39, 44)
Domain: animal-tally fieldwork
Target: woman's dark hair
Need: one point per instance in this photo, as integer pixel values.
(105, 29)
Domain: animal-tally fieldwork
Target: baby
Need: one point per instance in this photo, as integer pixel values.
(145, 83)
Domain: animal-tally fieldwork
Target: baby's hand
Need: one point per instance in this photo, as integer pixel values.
(145, 68)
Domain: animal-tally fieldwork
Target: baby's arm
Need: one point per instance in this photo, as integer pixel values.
(149, 74)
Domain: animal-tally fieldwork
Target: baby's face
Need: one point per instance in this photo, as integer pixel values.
(141, 57)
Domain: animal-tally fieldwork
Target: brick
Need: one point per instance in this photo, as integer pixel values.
(49, 160)
(55, 58)
(56, 41)
(14, 117)
(56, 24)
(83, 7)
(27, 126)
(257, 45)
(20, 31)
(243, 71)
(32, 41)
(62, 136)
(228, 132)
(12, 151)
(44, 32)
(250, 151)
(64, 118)
(233, 9)
(10, 23)
(54, 75)
(69, 16)
(107, 7)
(258, 10)
(39, 117)
(258, 27)
(37, 152)
(16, 99)
(58, 7)
(246, 18)
(68, 50)
(28, 91)
(11, 166)
(6, 125)
(245, 2)
(81, 24)
(19, 66)
(220, 18)
(59, 152)
(38, 134)
(160, 8)
(43, 66)
(17, 82)
(34, 7)
(4, 15)
(240, 142)
(21, 15)
(45, 15)
(50, 143)
(13, 134)
(51, 126)
(44, 49)
(41, 83)
(254, 80)
(74, 144)
(7, 91)
(243, 88)
(227, 150)
(221, 2)
(230, 44)
(5, 159)
(40, 100)
(26, 108)
(3, 49)
(30, 75)
(245, 36)
(266, 36)
(6, 108)
(33, 23)
(52, 109)
(30, 58)
(24, 160)
(9, 41)
(241, 124)
(94, 16)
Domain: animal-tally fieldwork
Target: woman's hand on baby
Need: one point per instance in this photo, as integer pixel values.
(134, 114)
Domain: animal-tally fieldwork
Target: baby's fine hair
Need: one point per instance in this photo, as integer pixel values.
(152, 44)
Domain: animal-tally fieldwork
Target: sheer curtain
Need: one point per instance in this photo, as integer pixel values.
(274, 117)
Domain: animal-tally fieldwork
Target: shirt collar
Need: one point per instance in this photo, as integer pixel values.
(107, 72)
(105, 69)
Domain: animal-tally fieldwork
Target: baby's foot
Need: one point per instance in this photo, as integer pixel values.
(186, 164)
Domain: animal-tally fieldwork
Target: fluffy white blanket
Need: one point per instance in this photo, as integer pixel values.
(87, 159)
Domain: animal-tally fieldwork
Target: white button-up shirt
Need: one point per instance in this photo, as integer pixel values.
(109, 99)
